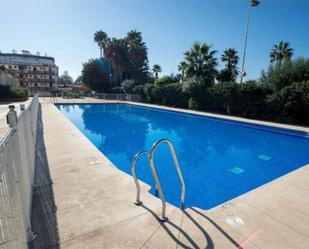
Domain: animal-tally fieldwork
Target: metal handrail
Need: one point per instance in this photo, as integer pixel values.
(155, 175)
(172, 150)
(135, 158)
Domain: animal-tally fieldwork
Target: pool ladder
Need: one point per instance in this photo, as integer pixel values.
(150, 156)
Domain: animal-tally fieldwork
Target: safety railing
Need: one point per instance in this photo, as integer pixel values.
(154, 172)
(17, 160)
(72, 95)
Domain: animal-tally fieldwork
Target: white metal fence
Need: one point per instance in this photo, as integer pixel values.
(107, 96)
(17, 159)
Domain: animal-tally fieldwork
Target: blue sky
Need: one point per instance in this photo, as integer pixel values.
(64, 28)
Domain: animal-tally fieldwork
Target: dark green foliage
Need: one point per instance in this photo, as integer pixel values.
(94, 76)
(165, 80)
(199, 94)
(247, 100)
(168, 94)
(290, 104)
(7, 92)
(285, 73)
(200, 64)
(127, 57)
(280, 52)
(229, 72)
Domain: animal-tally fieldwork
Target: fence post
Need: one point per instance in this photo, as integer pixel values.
(11, 117)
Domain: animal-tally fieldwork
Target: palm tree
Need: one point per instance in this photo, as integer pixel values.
(100, 37)
(138, 56)
(156, 70)
(116, 52)
(201, 63)
(230, 72)
(281, 51)
(230, 57)
(182, 68)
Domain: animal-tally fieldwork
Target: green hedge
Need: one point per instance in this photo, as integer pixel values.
(250, 100)
(7, 92)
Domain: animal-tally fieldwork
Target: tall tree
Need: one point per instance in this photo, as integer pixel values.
(281, 51)
(156, 70)
(230, 72)
(65, 79)
(100, 37)
(94, 76)
(201, 63)
(126, 57)
(182, 69)
(138, 55)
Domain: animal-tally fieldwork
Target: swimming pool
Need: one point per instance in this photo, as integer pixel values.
(220, 160)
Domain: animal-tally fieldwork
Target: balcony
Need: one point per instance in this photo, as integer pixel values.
(27, 71)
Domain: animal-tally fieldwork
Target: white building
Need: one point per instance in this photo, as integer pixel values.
(38, 73)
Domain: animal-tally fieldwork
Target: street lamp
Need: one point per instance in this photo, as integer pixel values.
(252, 3)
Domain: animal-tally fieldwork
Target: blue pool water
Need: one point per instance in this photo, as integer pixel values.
(220, 160)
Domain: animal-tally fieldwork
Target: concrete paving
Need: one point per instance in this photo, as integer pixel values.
(92, 205)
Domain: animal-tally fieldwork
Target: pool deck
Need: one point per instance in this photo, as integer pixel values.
(94, 203)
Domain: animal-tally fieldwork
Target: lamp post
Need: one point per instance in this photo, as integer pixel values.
(252, 3)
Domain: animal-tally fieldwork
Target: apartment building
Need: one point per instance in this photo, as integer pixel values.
(38, 73)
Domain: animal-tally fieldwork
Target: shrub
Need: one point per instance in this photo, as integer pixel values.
(200, 97)
(247, 100)
(290, 104)
(285, 73)
(12, 92)
(165, 80)
(128, 85)
(19, 91)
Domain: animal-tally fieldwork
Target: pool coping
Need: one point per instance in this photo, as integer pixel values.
(287, 129)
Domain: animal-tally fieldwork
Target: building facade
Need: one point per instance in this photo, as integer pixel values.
(38, 73)
(7, 79)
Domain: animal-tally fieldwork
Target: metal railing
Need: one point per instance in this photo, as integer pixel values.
(17, 159)
(158, 187)
(107, 96)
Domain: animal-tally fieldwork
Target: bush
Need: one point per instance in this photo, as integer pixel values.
(165, 80)
(173, 95)
(7, 92)
(247, 100)
(170, 94)
(19, 91)
(128, 85)
(290, 104)
(285, 73)
(200, 97)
